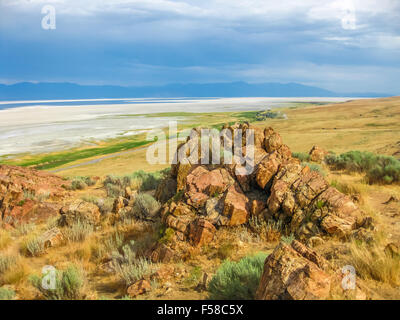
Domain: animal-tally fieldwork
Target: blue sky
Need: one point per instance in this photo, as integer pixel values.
(343, 45)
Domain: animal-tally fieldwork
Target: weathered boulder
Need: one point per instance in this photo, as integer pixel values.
(138, 288)
(23, 193)
(236, 206)
(79, 210)
(317, 154)
(201, 232)
(202, 184)
(294, 272)
(52, 237)
(162, 253)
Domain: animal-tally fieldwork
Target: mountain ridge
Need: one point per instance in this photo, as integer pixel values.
(68, 90)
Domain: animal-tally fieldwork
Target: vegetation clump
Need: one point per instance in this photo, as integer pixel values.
(69, 285)
(237, 280)
(269, 114)
(129, 267)
(378, 168)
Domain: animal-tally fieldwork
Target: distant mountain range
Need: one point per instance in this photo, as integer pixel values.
(49, 91)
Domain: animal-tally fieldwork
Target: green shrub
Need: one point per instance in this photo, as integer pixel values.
(303, 157)
(129, 267)
(145, 206)
(378, 168)
(114, 242)
(80, 183)
(6, 294)
(69, 285)
(269, 114)
(78, 231)
(314, 167)
(194, 276)
(288, 239)
(237, 280)
(114, 190)
(149, 180)
(33, 246)
(7, 262)
(22, 229)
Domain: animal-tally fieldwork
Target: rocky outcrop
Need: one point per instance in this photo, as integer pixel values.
(294, 272)
(277, 187)
(28, 195)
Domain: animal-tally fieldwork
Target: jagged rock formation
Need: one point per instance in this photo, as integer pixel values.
(24, 194)
(294, 272)
(279, 187)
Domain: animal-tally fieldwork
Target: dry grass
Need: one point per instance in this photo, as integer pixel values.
(371, 262)
(5, 239)
(18, 274)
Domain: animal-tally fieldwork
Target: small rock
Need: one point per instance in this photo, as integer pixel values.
(138, 288)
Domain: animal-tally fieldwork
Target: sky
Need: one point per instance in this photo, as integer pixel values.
(340, 45)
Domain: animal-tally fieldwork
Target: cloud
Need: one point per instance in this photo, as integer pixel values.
(338, 44)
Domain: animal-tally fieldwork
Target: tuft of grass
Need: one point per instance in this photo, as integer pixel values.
(288, 239)
(145, 206)
(33, 246)
(5, 239)
(7, 262)
(225, 250)
(139, 180)
(303, 157)
(22, 229)
(129, 267)
(270, 230)
(78, 231)
(6, 294)
(371, 262)
(237, 280)
(314, 167)
(194, 276)
(69, 285)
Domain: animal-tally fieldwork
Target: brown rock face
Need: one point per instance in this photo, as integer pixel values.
(24, 193)
(202, 183)
(80, 210)
(223, 195)
(305, 196)
(161, 253)
(294, 272)
(236, 206)
(52, 237)
(138, 288)
(201, 232)
(317, 154)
